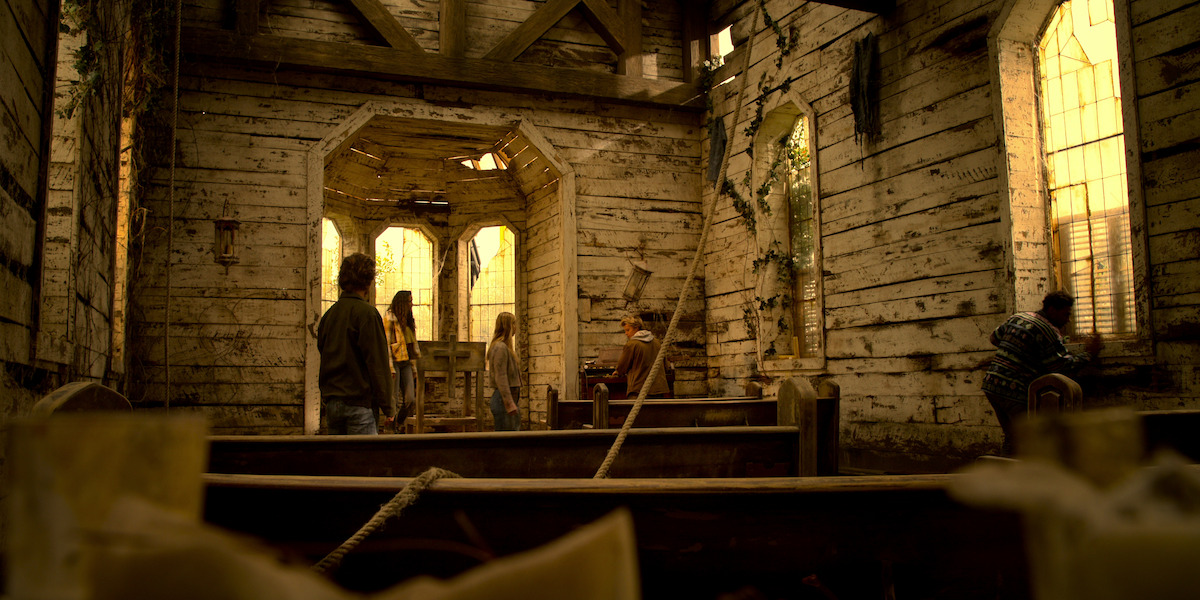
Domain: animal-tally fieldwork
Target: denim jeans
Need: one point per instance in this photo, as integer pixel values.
(405, 391)
(344, 419)
(505, 421)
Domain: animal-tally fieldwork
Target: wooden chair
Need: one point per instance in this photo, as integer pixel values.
(451, 357)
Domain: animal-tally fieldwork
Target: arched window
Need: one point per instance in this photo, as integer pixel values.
(1083, 139)
(331, 261)
(805, 242)
(1072, 200)
(787, 304)
(404, 261)
(492, 279)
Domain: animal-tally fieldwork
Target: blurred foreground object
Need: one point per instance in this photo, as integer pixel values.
(69, 471)
(1098, 524)
(108, 507)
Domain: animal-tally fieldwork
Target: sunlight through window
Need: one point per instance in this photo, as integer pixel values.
(1085, 163)
(404, 261)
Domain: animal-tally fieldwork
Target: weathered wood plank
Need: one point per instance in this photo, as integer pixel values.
(385, 24)
(429, 67)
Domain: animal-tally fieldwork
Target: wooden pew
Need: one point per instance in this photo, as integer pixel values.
(751, 409)
(697, 538)
(815, 412)
(1174, 429)
(667, 452)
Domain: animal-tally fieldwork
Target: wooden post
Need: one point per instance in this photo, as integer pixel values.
(70, 471)
(420, 416)
(829, 413)
(630, 61)
(798, 408)
(600, 406)
(551, 407)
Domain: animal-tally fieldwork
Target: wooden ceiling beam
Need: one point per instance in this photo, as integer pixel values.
(377, 16)
(879, 7)
(629, 62)
(607, 23)
(530, 30)
(427, 67)
(452, 29)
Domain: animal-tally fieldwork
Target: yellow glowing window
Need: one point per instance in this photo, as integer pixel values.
(404, 261)
(1083, 132)
(492, 263)
(331, 261)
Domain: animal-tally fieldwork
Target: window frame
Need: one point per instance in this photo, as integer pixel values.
(463, 304)
(1025, 199)
(777, 125)
(424, 229)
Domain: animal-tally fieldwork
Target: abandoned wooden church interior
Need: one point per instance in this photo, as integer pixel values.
(822, 211)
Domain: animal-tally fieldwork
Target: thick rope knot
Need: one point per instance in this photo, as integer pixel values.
(402, 499)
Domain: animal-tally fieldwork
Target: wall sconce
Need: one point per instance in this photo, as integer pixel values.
(636, 282)
(225, 242)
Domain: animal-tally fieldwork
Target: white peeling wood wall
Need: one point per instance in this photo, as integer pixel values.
(915, 273)
(25, 111)
(238, 339)
(58, 189)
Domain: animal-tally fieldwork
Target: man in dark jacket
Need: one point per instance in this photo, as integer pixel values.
(355, 379)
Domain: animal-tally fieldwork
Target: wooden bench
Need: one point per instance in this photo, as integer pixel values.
(816, 413)
(1175, 429)
(696, 537)
(668, 452)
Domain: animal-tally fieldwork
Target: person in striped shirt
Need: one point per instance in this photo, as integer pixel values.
(1029, 345)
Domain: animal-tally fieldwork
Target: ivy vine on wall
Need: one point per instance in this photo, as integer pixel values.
(775, 255)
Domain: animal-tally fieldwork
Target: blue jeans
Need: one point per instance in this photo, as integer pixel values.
(344, 419)
(505, 421)
(406, 390)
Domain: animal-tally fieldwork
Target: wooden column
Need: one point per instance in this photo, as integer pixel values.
(452, 30)
(695, 39)
(630, 61)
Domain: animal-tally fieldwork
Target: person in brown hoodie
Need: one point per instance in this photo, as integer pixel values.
(636, 359)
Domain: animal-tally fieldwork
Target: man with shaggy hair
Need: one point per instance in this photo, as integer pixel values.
(1029, 345)
(355, 379)
(636, 359)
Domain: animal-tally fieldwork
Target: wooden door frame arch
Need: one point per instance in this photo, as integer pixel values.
(344, 134)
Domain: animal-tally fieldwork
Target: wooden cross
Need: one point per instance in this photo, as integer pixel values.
(452, 354)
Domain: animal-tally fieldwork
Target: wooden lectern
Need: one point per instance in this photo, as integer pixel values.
(451, 357)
